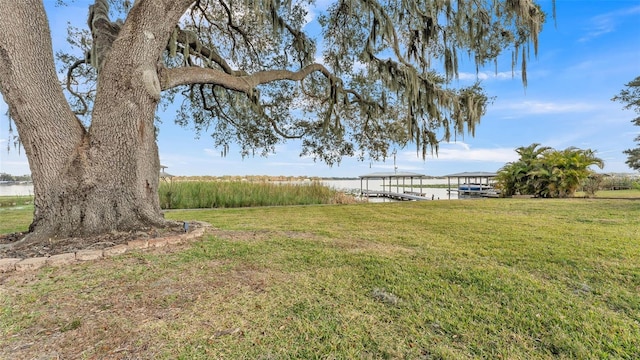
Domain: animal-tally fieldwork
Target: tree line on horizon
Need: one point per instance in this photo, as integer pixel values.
(9, 177)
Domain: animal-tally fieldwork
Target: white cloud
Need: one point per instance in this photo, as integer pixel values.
(541, 107)
(311, 15)
(460, 151)
(323, 5)
(13, 163)
(405, 162)
(314, 9)
(289, 164)
(489, 75)
(488, 155)
(213, 153)
(462, 145)
(607, 23)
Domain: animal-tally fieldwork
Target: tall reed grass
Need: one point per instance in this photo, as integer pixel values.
(232, 194)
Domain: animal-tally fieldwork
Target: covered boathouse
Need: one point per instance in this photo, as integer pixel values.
(401, 180)
(478, 183)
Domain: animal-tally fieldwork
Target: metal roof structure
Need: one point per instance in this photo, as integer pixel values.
(164, 174)
(476, 183)
(391, 175)
(473, 174)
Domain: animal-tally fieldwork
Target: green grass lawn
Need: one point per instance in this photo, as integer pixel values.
(614, 194)
(12, 201)
(460, 279)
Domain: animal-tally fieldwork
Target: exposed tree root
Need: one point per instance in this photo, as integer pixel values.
(35, 244)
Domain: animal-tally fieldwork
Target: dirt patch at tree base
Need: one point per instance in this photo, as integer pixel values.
(56, 246)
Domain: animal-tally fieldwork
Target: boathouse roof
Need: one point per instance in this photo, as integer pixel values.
(471, 174)
(391, 174)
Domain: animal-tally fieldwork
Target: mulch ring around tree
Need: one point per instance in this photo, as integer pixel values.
(56, 246)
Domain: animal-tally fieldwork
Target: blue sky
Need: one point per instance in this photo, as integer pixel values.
(582, 63)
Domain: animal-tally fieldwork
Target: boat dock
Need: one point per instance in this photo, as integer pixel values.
(407, 180)
(469, 185)
(488, 193)
(475, 184)
(406, 196)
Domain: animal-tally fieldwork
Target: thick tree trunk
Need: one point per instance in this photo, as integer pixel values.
(96, 181)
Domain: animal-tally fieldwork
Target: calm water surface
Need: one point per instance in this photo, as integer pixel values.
(16, 190)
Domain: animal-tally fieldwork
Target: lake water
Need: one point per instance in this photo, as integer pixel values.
(16, 190)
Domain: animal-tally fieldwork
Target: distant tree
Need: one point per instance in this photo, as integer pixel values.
(246, 71)
(546, 172)
(9, 177)
(631, 98)
(592, 184)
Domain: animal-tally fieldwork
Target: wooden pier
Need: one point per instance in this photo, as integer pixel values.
(407, 196)
(397, 195)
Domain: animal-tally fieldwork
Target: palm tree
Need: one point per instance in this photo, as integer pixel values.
(508, 178)
(530, 153)
(530, 157)
(545, 172)
(570, 167)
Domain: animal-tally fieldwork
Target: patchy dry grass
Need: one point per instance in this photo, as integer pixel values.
(506, 278)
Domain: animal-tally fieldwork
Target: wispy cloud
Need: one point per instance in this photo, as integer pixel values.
(310, 16)
(213, 153)
(400, 166)
(314, 9)
(461, 151)
(13, 163)
(607, 23)
(489, 75)
(541, 107)
(289, 164)
(486, 155)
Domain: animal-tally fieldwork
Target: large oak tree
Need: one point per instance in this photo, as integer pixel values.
(245, 71)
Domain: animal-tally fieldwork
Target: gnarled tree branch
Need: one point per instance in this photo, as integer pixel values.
(171, 78)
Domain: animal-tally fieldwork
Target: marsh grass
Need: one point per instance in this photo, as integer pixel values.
(232, 194)
(481, 279)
